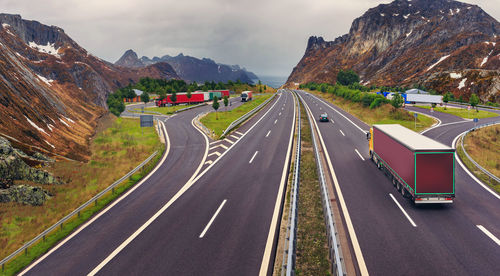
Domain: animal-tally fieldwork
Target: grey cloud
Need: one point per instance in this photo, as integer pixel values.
(266, 37)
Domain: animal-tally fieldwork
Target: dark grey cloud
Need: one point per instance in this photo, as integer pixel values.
(266, 37)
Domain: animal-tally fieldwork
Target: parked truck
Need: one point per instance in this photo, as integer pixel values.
(246, 96)
(421, 168)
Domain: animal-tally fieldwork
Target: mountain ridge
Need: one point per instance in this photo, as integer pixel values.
(413, 42)
(52, 91)
(190, 68)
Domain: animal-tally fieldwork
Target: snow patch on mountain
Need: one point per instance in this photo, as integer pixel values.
(439, 61)
(48, 49)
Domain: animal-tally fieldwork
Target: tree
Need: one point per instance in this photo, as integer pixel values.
(173, 98)
(215, 105)
(473, 101)
(347, 77)
(188, 94)
(226, 101)
(145, 97)
(397, 100)
(446, 99)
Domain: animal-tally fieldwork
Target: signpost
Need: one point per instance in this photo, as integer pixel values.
(146, 121)
(415, 115)
(475, 122)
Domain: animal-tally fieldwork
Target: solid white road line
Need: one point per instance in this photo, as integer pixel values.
(269, 132)
(214, 153)
(342, 132)
(209, 162)
(230, 141)
(275, 121)
(345, 212)
(453, 144)
(221, 145)
(212, 219)
(105, 210)
(432, 127)
(250, 162)
(356, 150)
(358, 127)
(235, 137)
(332, 121)
(157, 214)
(215, 142)
(266, 258)
(489, 234)
(279, 114)
(403, 210)
(237, 132)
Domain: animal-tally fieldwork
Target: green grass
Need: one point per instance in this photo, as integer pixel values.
(218, 122)
(385, 114)
(115, 151)
(462, 112)
(423, 122)
(312, 245)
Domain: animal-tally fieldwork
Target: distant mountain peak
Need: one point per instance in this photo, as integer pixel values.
(190, 68)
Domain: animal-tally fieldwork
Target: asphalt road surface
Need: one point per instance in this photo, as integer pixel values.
(156, 228)
(446, 239)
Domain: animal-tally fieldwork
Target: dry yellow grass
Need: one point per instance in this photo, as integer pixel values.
(483, 145)
(118, 148)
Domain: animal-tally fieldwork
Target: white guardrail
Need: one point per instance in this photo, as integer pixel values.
(481, 106)
(335, 251)
(489, 174)
(77, 211)
(246, 116)
(289, 249)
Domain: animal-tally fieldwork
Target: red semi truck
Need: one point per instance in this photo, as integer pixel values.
(420, 168)
(182, 98)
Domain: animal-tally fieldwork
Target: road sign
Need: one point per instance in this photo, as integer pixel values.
(415, 115)
(147, 121)
(476, 120)
(468, 107)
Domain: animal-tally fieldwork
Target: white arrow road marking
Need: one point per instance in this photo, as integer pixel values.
(214, 153)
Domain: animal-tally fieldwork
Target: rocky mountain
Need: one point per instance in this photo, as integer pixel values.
(191, 68)
(52, 91)
(444, 45)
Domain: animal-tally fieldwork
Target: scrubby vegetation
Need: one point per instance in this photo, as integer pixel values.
(162, 87)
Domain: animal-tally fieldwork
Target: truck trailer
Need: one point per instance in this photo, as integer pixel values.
(421, 168)
(246, 96)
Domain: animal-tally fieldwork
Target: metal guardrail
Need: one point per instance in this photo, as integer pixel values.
(335, 250)
(481, 106)
(292, 222)
(246, 116)
(189, 107)
(75, 212)
(205, 129)
(489, 174)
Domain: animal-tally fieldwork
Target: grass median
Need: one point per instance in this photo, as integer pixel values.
(312, 245)
(117, 149)
(462, 112)
(218, 122)
(385, 114)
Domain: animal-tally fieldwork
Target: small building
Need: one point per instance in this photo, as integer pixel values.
(416, 91)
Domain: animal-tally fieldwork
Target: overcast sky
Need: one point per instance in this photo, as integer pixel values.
(267, 37)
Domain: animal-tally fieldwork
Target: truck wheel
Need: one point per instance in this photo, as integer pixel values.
(394, 182)
(398, 186)
(403, 191)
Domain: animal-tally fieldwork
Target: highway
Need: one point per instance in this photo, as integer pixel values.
(190, 217)
(411, 240)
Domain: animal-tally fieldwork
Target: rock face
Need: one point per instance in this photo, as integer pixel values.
(410, 42)
(191, 68)
(24, 194)
(12, 167)
(52, 90)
